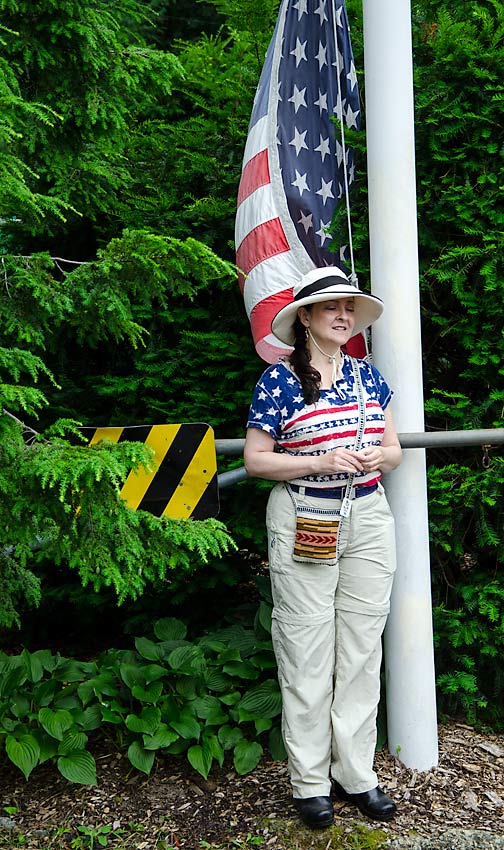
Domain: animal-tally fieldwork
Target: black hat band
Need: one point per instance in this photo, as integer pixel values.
(320, 285)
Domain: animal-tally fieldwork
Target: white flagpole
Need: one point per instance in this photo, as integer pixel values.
(409, 656)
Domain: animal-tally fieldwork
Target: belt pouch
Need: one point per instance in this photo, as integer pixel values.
(316, 534)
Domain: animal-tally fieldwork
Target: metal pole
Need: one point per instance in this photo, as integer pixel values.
(415, 440)
(409, 654)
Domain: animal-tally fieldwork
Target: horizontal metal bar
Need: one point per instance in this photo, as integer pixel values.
(419, 440)
(225, 479)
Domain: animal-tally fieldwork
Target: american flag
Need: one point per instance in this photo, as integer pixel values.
(295, 161)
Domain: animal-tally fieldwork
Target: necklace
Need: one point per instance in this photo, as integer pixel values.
(336, 360)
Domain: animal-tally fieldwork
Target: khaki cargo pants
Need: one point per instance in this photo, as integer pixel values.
(327, 627)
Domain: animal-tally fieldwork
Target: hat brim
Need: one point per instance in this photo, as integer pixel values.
(368, 308)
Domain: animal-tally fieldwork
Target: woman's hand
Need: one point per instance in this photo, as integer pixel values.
(339, 460)
(372, 458)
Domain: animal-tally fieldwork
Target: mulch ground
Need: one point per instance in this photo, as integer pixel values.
(175, 808)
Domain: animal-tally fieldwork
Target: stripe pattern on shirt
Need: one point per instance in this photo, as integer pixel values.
(278, 408)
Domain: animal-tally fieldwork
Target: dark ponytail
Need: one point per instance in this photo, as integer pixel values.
(300, 361)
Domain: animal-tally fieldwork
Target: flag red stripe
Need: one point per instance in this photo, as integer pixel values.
(264, 241)
(263, 312)
(256, 173)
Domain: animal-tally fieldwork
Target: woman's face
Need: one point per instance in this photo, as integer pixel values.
(331, 323)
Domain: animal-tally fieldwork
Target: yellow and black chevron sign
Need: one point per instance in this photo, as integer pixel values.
(184, 484)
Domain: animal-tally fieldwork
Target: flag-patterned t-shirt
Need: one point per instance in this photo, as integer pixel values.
(279, 409)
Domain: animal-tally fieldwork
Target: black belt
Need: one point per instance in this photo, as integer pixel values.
(335, 492)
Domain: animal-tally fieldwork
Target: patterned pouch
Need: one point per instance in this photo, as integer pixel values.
(316, 534)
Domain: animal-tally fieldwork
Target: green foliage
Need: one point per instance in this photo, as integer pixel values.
(78, 518)
(108, 79)
(460, 137)
(205, 698)
(469, 591)
(469, 646)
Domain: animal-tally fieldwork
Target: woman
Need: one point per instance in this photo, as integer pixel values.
(320, 424)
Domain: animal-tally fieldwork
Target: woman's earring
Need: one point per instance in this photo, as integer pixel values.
(307, 332)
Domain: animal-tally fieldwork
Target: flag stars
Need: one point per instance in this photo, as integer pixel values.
(299, 140)
(325, 190)
(301, 7)
(351, 117)
(352, 76)
(300, 183)
(274, 373)
(321, 56)
(321, 102)
(298, 98)
(323, 148)
(320, 11)
(276, 392)
(323, 232)
(299, 52)
(305, 221)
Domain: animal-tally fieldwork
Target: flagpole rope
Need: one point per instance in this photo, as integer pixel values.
(353, 276)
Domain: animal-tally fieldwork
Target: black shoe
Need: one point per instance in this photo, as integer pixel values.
(316, 812)
(375, 804)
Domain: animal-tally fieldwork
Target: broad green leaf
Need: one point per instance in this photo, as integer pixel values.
(217, 681)
(262, 724)
(72, 741)
(48, 661)
(242, 669)
(210, 709)
(33, 666)
(161, 739)
(20, 706)
(141, 758)
(88, 719)
(187, 659)
(229, 736)
(276, 744)
(148, 649)
(11, 682)
(153, 672)
(170, 629)
(44, 693)
(200, 757)
(263, 700)
(264, 616)
(102, 685)
(148, 721)
(187, 727)
(79, 767)
(188, 687)
(70, 670)
(215, 748)
(231, 699)
(23, 751)
(132, 674)
(109, 716)
(48, 746)
(150, 694)
(247, 755)
(55, 723)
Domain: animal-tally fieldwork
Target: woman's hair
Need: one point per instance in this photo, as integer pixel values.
(300, 361)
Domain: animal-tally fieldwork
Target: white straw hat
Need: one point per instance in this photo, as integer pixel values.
(326, 284)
